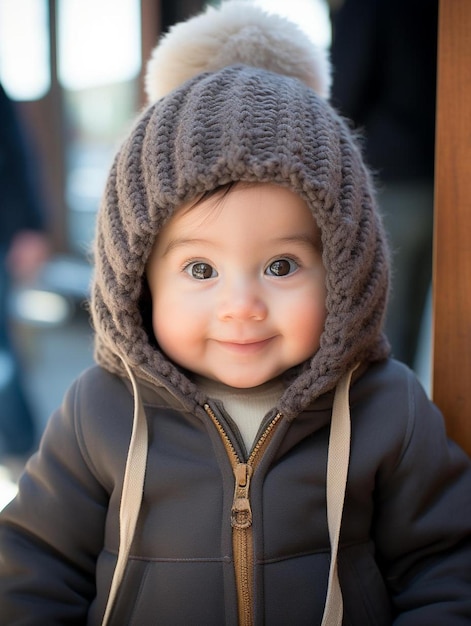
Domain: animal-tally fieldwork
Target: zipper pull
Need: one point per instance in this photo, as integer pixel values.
(241, 513)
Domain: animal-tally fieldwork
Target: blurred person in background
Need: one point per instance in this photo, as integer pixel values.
(24, 247)
(384, 59)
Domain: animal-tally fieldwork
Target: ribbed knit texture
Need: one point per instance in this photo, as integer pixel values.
(246, 407)
(243, 123)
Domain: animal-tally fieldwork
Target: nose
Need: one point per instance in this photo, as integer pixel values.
(242, 299)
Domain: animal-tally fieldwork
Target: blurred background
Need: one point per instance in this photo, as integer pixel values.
(71, 72)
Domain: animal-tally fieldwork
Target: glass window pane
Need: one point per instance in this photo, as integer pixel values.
(24, 48)
(99, 42)
(310, 15)
(99, 60)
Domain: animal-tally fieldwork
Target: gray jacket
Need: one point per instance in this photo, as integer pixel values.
(404, 553)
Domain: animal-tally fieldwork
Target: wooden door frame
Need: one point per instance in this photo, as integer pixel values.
(451, 367)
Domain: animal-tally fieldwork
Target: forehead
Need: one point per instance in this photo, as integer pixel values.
(242, 206)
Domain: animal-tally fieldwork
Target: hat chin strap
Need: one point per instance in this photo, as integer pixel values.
(337, 470)
(133, 488)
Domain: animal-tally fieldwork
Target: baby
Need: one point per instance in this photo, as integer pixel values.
(245, 451)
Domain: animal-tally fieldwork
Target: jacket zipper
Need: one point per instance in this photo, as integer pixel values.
(241, 514)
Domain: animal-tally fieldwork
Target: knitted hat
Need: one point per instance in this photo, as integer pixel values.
(240, 122)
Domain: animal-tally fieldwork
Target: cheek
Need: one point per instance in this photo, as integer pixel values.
(167, 320)
(309, 325)
(308, 318)
(177, 324)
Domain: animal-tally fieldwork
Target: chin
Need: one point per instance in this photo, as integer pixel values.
(243, 385)
(244, 382)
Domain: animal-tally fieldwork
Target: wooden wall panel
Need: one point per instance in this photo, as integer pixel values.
(452, 243)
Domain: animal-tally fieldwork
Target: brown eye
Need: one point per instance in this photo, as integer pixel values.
(201, 271)
(281, 267)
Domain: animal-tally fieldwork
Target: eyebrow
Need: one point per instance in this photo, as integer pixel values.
(298, 238)
(304, 239)
(183, 241)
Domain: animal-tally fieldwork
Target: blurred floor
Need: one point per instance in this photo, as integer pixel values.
(53, 332)
(53, 357)
(53, 354)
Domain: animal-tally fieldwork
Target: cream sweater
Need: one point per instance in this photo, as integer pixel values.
(246, 407)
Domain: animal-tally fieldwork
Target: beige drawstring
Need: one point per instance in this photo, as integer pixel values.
(133, 486)
(337, 470)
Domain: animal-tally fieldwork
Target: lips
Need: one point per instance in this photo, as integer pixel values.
(246, 346)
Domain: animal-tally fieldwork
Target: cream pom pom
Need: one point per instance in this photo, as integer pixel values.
(235, 32)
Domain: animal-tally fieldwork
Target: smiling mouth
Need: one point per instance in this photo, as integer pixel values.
(245, 347)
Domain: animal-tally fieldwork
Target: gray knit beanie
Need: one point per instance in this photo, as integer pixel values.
(242, 123)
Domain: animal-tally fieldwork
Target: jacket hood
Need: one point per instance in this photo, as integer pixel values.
(242, 123)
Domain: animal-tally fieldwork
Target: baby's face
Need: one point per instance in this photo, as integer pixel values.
(238, 285)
